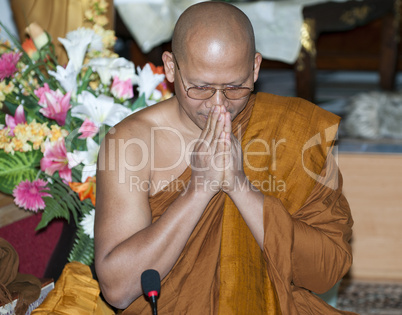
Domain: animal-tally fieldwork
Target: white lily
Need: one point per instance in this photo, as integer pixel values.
(107, 68)
(88, 158)
(88, 222)
(96, 42)
(124, 69)
(148, 81)
(101, 66)
(155, 97)
(67, 77)
(76, 44)
(100, 110)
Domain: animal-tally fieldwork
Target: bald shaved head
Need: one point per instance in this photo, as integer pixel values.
(213, 28)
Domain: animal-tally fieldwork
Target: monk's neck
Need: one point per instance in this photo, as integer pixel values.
(185, 125)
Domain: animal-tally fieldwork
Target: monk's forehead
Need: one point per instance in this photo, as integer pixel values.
(212, 25)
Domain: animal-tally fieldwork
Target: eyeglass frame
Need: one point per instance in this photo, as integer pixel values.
(210, 88)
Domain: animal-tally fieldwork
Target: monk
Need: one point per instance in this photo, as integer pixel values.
(233, 197)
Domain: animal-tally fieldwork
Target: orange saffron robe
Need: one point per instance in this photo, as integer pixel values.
(287, 145)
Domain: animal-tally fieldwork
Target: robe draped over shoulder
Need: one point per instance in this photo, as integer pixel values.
(287, 148)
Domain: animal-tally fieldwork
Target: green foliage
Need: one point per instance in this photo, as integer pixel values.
(63, 203)
(83, 248)
(139, 103)
(18, 167)
(2, 118)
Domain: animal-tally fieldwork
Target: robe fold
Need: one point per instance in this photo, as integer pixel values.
(27, 287)
(287, 148)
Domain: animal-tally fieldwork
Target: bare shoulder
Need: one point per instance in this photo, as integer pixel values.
(134, 132)
(139, 124)
(130, 141)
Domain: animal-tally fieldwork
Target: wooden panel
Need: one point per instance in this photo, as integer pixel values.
(373, 187)
(9, 212)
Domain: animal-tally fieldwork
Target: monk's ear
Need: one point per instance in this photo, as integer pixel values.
(168, 64)
(257, 65)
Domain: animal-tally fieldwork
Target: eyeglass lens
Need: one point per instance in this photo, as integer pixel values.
(230, 93)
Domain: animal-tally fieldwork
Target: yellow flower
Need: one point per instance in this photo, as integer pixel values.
(9, 88)
(94, 84)
(2, 86)
(4, 137)
(36, 144)
(56, 133)
(102, 5)
(20, 145)
(25, 135)
(101, 20)
(5, 89)
(20, 132)
(89, 15)
(9, 148)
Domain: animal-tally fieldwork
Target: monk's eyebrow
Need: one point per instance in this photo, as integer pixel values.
(197, 82)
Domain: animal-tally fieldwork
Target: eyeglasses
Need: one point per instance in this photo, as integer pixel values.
(206, 92)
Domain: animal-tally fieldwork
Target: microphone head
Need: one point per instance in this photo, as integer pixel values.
(151, 282)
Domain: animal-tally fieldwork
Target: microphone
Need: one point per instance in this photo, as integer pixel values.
(151, 285)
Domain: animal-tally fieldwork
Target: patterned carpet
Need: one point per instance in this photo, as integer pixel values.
(370, 298)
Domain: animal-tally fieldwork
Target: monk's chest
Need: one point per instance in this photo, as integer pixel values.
(169, 156)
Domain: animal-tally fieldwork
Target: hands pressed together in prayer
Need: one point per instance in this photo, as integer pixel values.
(217, 161)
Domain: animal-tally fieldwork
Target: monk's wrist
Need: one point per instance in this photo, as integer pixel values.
(202, 188)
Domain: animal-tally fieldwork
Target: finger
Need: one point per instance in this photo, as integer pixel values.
(228, 123)
(220, 143)
(212, 133)
(225, 140)
(218, 132)
(203, 141)
(207, 125)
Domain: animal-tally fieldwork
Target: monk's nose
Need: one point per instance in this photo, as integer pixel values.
(219, 98)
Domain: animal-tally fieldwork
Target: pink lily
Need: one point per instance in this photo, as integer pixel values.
(88, 129)
(40, 92)
(19, 118)
(56, 106)
(55, 159)
(122, 89)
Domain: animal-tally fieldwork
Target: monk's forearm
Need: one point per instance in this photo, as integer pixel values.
(156, 247)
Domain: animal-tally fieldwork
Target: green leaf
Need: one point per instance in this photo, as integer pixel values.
(52, 211)
(18, 167)
(63, 203)
(139, 103)
(85, 80)
(2, 118)
(83, 249)
(10, 106)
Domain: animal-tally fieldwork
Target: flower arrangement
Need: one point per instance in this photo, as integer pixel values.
(53, 118)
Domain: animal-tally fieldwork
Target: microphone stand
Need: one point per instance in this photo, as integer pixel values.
(153, 299)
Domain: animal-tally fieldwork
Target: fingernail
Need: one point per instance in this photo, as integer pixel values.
(220, 117)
